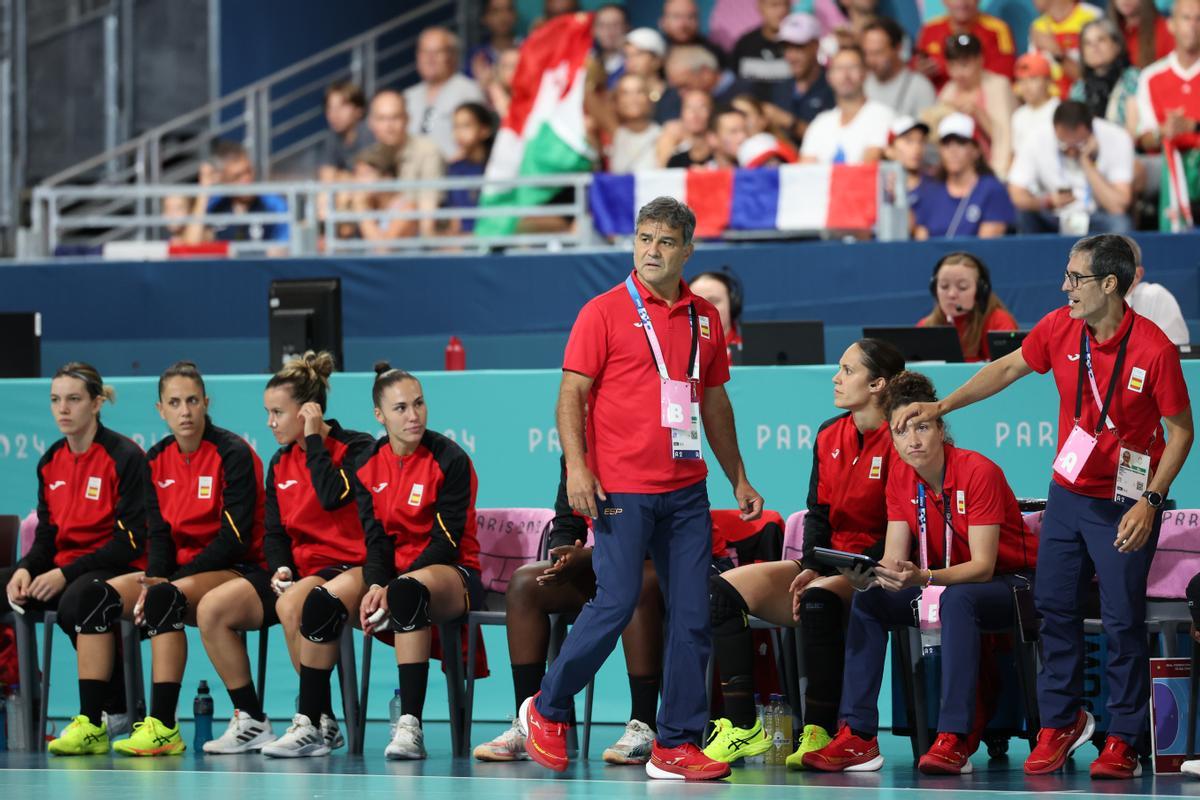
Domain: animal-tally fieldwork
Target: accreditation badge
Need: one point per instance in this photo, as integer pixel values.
(685, 441)
(1074, 454)
(1133, 475)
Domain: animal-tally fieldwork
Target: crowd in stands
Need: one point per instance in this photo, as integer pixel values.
(1067, 137)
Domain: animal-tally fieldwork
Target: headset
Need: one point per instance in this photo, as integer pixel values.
(983, 286)
(733, 284)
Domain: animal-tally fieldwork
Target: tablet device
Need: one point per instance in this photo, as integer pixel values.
(1001, 343)
(839, 559)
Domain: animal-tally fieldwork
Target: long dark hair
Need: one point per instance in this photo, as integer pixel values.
(485, 119)
(1147, 15)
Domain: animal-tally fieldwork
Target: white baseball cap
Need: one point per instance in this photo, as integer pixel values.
(956, 124)
(760, 148)
(647, 39)
(902, 125)
(799, 29)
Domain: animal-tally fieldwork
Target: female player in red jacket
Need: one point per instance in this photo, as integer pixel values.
(91, 528)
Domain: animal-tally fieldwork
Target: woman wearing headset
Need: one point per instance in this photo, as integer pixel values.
(91, 527)
(955, 540)
(724, 290)
(962, 290)
(846, 508)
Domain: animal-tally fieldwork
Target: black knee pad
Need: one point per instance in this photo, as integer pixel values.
(408, 602)
(727, 610)
(99, 608)
(323, 616)
(164, 609)
(822, 615)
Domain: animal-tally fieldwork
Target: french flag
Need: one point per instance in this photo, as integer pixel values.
(794, 197)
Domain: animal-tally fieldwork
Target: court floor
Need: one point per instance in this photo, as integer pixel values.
(340, 777)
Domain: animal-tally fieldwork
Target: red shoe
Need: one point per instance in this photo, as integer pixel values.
(1055, 745)
(545, 739)
(950, 755)
(846, 753)
(684, 763)
(1118, 760)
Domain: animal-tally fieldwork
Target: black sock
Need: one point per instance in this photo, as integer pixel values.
(115, 702)
(865, 736)
(643, 696)
(92, 695)
(164, 697)
(413, 679)
(527, 679)
(735, 661)
(314, 692)
(246, 699)
(822, 621)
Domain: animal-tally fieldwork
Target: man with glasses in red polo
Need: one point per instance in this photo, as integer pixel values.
(1120, 385)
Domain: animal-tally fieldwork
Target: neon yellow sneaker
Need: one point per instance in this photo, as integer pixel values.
(151, 738)
(728, 744)
(813, 738)
(81, 738)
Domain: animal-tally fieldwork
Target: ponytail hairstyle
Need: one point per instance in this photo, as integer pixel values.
(83, 371)
(906, 388)
(307, 377)
(189, 370)
(881, 358)
(385, 376)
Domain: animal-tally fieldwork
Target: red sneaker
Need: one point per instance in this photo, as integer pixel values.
(846, 753)
(1055, 745)
(1118, 760)
(545, 739)
(684, 763)
(950, 755)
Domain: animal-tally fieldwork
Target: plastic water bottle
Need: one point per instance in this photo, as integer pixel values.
(769, 728)
(456, 355)
(782, 743)
(394, 710)
(202, 712)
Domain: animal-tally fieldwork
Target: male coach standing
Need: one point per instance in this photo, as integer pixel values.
(1119, 384)
(645, 363)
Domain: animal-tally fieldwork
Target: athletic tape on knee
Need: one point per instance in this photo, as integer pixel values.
(323, 616)
(821, 615)
(99, 608)
(408, 602)
(727, 609)
(164, 609)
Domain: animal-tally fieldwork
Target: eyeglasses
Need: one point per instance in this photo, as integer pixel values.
(1076, 278)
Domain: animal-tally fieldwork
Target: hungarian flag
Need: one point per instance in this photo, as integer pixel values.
(543, 132)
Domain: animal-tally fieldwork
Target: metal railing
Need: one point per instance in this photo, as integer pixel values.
(277, 117)
(91, 216)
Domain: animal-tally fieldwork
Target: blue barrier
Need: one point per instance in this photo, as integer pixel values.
(511, 311)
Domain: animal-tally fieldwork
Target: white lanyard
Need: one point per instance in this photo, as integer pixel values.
(655, 349)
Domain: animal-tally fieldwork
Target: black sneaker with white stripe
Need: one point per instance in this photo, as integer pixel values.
(244, 734)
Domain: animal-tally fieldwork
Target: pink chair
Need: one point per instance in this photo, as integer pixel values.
(793, 535)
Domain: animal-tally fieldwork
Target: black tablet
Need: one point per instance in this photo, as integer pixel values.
(839, 559)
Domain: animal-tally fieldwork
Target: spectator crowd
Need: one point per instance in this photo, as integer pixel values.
(1072, 136)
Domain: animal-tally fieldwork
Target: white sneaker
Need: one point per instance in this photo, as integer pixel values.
(508, 746)
(244, 734)
(1190, 768)
(117, 724)
(331, 733)
(302, 739)
(408, 740)
(633, 747)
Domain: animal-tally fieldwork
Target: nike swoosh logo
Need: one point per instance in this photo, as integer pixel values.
(57, 485)
(379, 488)
(286, 484)
(166, 483)
(1073, 358)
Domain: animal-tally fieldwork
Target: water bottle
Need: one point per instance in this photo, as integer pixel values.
(394, 710)
(202, 712)
(456, 355)
(776, 731)
(783, 732)
(769, 722)
(18, 725)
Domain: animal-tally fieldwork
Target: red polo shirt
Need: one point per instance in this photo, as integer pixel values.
(628, 448)
(1151, 387)
(978, 495)
(846, 508)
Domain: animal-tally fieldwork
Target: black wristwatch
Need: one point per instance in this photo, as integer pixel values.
(1155, 499)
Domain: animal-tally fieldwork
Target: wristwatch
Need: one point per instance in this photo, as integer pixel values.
(1155, 499)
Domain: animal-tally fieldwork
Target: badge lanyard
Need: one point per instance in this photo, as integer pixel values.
(1085, 363)
(655, 349)
(923, 528)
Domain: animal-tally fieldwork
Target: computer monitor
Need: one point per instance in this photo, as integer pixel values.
(21, 356)
(304, 315)
(781, 342)
(1189, 351)
(1001, 343)
(930, 343)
